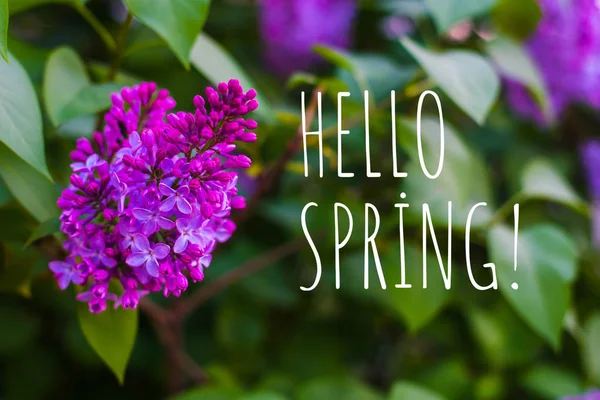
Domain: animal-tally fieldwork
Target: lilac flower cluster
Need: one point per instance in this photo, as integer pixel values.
(151, 195)
(566, 49)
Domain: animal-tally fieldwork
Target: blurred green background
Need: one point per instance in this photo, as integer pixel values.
(263, 338)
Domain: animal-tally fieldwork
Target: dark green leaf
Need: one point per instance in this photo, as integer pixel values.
(5, 196)
(546, 268)
(416, 305)
(178, 22)
(466, 77)
(33, 190)
(407, 390)
(540, 180)
(22, 332)
(44, 229)
(448, 12)
(516, 18)
(217, 65)
(20, 116)
(111, 334)
(505, 340)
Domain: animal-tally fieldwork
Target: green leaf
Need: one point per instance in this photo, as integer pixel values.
(591, 348)
(416, 305)
(178, 22)
(407, 390)
(337, 388)
(505, 340)
(546, 268)
(33, 190)
(344, 60)
(515, 63)
(464, 179)
(381, 75)
(448, 12)
(68, 92)
(552, 383)
(20, 116)
(4, 29)
(466, 77)
(44, 229)
(111, 334)
(516, 18)
(217, 65)
(540, 180)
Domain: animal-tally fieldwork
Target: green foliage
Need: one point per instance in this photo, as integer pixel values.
(448, 12)
(33, 190)
(516, 18)
(514, 63)
(20, 116)
(466, 77)
(407, 390)
(463, 179)
(591, 348)
(111, 334)
(417, 306)
(261, 338)
(68, 92)
(178, 22)
(551, 382)
(44, 229)
(213, 61)
(546, 267)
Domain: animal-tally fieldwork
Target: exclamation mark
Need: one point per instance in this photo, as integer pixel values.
(515, 285)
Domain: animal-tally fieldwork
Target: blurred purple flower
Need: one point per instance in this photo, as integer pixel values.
(591, 395)
(395, 26)
(290, 29)
(590, 158)
(566, 49)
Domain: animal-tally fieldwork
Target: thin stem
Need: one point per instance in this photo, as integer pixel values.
(116, 60)
(96, 25)
(170, 335)
(248, 268)
(120, 47)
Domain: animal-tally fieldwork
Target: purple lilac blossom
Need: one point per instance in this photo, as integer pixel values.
(566, 50)
(291, 28)
(591, 395)
(152, 194)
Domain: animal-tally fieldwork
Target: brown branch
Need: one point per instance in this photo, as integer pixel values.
(248, 268)
(169, 333)
(272, 175)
